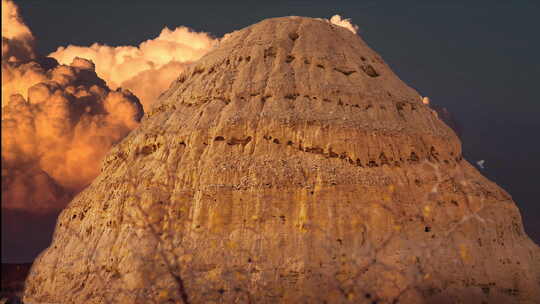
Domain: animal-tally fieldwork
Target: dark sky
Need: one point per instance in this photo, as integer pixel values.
(479, 59)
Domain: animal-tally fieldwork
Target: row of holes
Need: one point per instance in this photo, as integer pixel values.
(383, 159)
(400, 106)
(271, 52)
(368, 69)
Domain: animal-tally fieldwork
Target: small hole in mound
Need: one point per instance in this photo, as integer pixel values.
(248, 58)
(219, 138)
(345, 72)
(383, 159)
(367, 295)
(413, 157)
(264, 98)
(276, 141)
(427, 229)
(293, 36)
(291, 96)
(270, 52)
(289, 143)
(369, 70)
(198, 70)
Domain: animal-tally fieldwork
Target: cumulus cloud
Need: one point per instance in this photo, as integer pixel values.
(17, 78)
(54, 138)
(58, 122)
(346, 23)
(17, 39)
(147, 69)
(60, 119)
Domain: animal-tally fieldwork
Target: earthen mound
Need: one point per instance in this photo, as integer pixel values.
(289, 165)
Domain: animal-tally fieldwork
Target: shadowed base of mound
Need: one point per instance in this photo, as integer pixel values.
(20, 241)
(20, 246)
(13, 277)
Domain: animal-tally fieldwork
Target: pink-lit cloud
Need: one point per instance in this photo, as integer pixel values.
(147, 69)
(58, 121)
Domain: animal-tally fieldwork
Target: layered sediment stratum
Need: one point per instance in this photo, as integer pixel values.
(289, 165)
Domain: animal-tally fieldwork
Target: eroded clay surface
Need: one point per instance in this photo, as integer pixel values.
(289, 165)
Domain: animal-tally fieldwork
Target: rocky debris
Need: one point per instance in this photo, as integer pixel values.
(289, 165)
